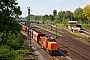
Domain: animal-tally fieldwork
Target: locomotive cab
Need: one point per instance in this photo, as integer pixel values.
(50, 45)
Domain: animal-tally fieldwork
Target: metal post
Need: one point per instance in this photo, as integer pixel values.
(29, 27)
(71, 16)
(56, 31)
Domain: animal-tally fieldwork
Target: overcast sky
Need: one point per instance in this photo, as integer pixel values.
(42, 7)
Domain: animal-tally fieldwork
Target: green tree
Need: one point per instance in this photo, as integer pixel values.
(16, 41)
(10, 54)
(36, 17)
(78, 14)
(68, 17)
(68, 14)
(32, 17)
(10, 38)
(8, 11)
(51, 18)
(55, 20)
(45, 17)
(61, 15)
(86, 11)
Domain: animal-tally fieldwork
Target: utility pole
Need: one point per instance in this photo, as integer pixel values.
(71, 16)
(29, 27)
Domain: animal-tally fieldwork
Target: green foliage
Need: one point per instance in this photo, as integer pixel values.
(5, 52)
(66, 21)
(9, 8)
(12, 45)
(78, 14)
(15, 41)
(8, 11)
(34, 17)
(42, 18)
(10, 25)
(61, 16)
(51, 18)
(47, 21)
(45, 17)
(55, 20)
(20, 54)
(48, 18)
(85, 26)
(15, 46)
(86, 11)
(68, 14)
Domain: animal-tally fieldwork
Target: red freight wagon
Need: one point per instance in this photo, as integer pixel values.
(36, 35)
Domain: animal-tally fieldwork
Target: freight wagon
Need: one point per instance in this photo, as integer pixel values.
(24, 28)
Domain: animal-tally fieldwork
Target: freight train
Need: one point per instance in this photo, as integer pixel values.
(49, 44)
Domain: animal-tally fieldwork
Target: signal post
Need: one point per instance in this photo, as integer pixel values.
(29, 27)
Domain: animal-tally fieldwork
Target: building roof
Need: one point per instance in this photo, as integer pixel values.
(72, 21)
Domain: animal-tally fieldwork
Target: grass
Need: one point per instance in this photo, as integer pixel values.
(87, 27)
(63, 25)
(36, 57)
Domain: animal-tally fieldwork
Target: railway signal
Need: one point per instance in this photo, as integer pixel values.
(29, 27)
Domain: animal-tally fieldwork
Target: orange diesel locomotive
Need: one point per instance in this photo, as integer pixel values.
(47, 43)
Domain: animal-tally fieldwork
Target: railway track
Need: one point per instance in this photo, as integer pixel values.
(78, 43)
(86, 32)
(80, 47)
(75, 47)
(75, 52)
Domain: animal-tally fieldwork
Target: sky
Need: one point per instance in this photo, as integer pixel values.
(42, 7)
